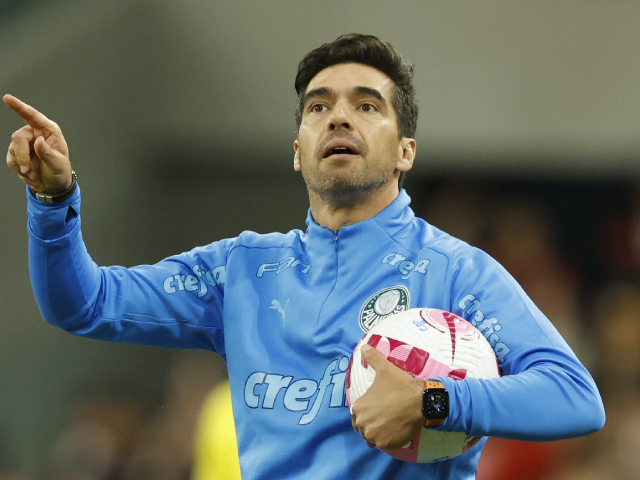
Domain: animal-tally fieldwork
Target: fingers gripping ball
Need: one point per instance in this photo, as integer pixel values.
(426, 343)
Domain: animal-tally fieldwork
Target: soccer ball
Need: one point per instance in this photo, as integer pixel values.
(426, 343)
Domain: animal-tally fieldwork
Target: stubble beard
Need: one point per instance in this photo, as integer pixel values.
(340, 191)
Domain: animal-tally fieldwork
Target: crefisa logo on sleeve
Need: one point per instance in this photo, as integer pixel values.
(382, 304)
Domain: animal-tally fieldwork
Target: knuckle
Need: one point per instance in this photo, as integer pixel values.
(384, 444)
(15, 169)
(18, 154)
(21, 134)
(373, 437)
(12, 158)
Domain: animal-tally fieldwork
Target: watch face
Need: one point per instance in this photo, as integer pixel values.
(436, 405)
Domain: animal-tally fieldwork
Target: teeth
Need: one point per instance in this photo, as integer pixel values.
(341, 150)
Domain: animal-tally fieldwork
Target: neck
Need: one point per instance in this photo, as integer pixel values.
(336, 217)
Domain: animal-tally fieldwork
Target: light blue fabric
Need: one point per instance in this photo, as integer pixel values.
(285, 311)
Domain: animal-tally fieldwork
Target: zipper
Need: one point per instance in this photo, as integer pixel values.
(335, 239)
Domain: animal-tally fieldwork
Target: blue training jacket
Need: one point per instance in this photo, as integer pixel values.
(285, 312)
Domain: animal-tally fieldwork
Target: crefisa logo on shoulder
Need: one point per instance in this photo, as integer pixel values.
(382, 304)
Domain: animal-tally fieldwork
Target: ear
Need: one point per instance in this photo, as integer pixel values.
(407, 152)
(296, 156)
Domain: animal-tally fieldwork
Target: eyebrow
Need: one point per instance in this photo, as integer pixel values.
(317, 92)
(372, 92)
(328, 92)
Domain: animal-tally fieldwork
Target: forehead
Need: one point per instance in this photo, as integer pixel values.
(343, 77)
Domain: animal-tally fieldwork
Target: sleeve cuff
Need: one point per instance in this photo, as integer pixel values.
(49, 221)
(461, 409)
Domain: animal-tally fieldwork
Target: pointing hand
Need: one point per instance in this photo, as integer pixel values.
(38, 152)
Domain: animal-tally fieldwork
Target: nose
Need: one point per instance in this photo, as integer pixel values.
(340, 119)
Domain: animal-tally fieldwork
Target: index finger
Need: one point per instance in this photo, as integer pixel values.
(30, 115)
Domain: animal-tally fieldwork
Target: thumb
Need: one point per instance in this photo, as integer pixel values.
(373, 357)
(43, 150)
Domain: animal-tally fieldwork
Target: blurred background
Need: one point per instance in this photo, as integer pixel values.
(179, 118)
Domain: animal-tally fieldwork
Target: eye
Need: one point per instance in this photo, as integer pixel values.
(317, 108)
(368, 107)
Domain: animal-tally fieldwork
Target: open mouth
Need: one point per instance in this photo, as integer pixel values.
(339, 151)
(340, 148)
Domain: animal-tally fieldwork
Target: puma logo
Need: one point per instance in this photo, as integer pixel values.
(275, 305)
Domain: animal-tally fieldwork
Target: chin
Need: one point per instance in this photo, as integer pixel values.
(346, 192)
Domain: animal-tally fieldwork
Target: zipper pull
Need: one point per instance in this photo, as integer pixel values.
(335, 239)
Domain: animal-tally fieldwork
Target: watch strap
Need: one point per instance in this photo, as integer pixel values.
(433, 384)
(433, 422)
(59, 197)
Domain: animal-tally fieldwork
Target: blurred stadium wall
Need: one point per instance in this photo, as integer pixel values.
(179, 117)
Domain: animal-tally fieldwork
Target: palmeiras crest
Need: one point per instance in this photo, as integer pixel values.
(382, 304)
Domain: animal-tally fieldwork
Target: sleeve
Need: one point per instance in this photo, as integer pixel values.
(544, 393)
(174, 303)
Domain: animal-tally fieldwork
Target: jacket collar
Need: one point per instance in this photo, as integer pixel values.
(392, 220)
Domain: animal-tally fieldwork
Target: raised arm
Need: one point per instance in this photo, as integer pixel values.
(174, 303)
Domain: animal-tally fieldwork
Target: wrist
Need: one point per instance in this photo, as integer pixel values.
(435, 403)
(57, 197)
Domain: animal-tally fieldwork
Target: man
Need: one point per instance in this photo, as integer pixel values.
(286, 310)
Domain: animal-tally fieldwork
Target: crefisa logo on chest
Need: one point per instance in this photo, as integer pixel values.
(381, 304)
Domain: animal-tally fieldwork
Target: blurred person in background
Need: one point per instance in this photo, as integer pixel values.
(99, 432)
(166, 443)
(216, 448)
(117, 432)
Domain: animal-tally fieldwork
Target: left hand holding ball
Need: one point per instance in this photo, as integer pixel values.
(389, 414)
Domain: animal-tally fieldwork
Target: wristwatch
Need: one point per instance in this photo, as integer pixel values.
(60, 197)
(435, 403)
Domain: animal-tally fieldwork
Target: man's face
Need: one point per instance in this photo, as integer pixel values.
(347, 145)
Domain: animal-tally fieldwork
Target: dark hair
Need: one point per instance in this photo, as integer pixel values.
(371, 51)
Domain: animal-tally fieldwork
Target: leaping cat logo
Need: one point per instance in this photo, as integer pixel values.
(275, 305)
